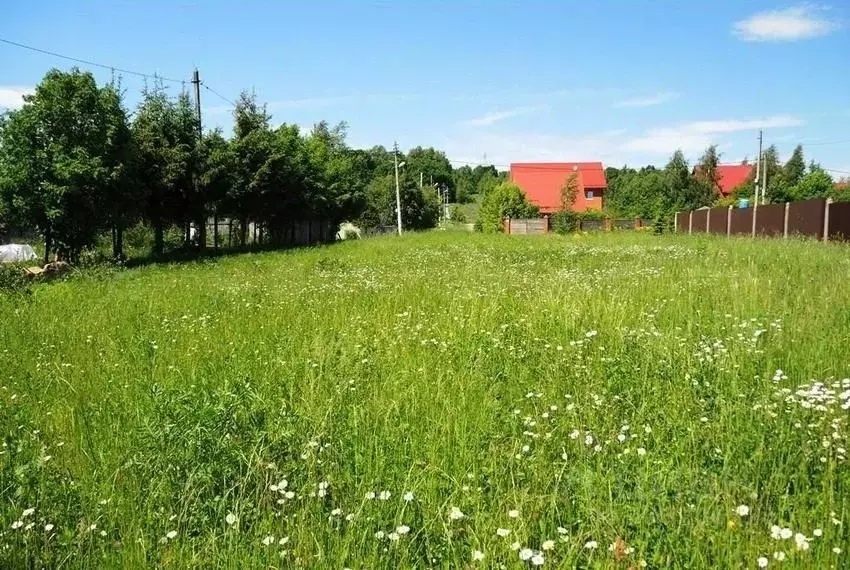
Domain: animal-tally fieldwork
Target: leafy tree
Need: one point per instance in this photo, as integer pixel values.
(569, 192)
(817, 183)
(62, 160)
(505, 199)
(434, 166)
(795, 168)
(707, 171)
(253, 146)
(216, 168)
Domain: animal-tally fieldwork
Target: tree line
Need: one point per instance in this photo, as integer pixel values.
(657, 193)
(76, 164)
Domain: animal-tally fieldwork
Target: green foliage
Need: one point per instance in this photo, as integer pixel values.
(504, 200)
(63, 160)
(795, 168)
(457, 215)
(569, 192)
(817, 183)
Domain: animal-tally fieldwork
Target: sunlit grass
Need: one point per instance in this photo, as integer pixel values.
(444, 400)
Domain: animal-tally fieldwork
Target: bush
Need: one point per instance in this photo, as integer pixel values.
(457, 215)
(13, 278)
(505, 200)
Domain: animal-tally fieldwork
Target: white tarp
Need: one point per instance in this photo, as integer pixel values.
(16, 252)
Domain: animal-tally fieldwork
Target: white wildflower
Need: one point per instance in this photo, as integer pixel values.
(370, 495)
(537, 560)
(402, 529)
(477, 555)
(762, 562)
(503, 532)
(742, 510)
(408, 496)
(526, 554)
(456, 514)
(591, 544)
(513, 513)
(170, 534)
(231, 519)
(17, 524)
(547, 545)
(48, 527)
(268, 540)
(385, 495)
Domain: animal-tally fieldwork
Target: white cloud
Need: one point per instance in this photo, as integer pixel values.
(502, 149)
(657, 99)
(696, 135)
(11, 97)
(805, 21)
(498, 116)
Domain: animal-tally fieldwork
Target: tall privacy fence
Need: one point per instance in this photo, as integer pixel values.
(820, 219)
(536, 226)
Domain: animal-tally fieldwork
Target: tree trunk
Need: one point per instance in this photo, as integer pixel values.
(118, 241)
(230, 232)
(47, 246)
(215, 230)
(158, 238)
(202, 230)
(243, 231)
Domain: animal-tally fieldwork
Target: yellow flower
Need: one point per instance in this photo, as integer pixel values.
(730, 524)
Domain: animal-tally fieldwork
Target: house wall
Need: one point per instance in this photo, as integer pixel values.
(542, 187)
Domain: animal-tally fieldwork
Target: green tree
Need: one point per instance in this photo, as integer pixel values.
(434, 166)
(253, 146)
(63, 159)
(795, 168)
(817, 183)
(503, 200)
(707, 170)
(569, 192)
(216, 174)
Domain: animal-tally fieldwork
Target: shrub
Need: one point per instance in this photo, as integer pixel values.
(506, 199)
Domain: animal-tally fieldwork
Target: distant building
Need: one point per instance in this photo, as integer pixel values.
(730, 176)
(542, 183)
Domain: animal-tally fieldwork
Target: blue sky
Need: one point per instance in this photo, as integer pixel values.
(617, 81)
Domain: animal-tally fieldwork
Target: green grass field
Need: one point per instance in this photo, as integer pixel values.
(442, 400)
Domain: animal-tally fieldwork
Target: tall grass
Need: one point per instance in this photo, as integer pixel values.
(609, 401)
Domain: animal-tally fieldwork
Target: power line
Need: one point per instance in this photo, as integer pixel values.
(219, 95)
(87, 62)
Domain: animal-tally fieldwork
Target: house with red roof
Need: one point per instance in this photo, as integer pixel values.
(542, 183)
(730, 176)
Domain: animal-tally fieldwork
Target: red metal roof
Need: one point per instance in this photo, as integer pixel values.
(730, 176)
(542, 181)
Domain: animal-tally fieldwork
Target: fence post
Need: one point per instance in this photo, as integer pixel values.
(785, 223)
(729, 221)
(506, 226)
(546, 224)
(690, 221)
(676, 222)
(638, 224)
(707, 219)
(826, 219)
(755, 213)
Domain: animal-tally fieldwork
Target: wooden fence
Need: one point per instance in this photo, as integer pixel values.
(537, 226)
(820, 219)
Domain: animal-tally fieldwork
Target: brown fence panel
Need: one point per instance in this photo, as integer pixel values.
(591, 225)
(770, 220)
(717, 222)
(682, 222)
(742, 221)
(839, 221)
(699, 220)
(622, 224)
(806, 218)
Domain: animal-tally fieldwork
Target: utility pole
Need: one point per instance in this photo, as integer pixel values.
(420, 180)
(763, 176)
(758, 168)
(200, 213)
(397, 191)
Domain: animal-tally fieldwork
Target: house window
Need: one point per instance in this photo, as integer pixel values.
(588, 194)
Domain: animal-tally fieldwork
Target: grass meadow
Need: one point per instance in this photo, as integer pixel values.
(442, 400)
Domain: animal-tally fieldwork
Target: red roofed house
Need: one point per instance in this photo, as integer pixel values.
(730, 176)
(542, 182)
